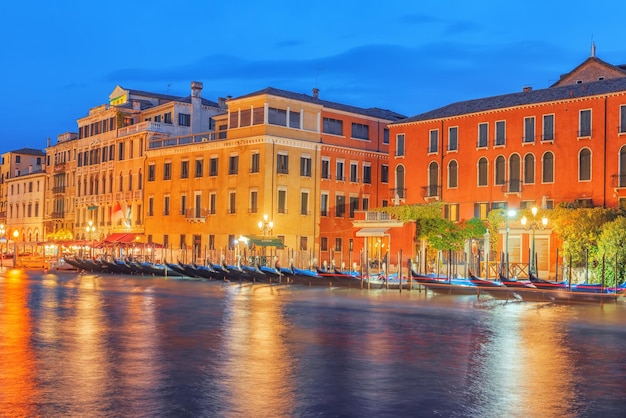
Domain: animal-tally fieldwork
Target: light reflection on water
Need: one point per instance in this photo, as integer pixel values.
(85, 345)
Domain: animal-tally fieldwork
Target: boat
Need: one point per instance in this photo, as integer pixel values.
(494, 288)
(206, 271)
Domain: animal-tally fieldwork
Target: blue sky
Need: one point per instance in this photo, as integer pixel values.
(62, 58)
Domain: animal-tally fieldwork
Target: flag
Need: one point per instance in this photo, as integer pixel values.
(117, 213)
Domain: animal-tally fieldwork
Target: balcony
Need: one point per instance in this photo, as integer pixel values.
(57, 215)
(161, 142)
(196, 215)
(431, 192)
(58, 190)
(512, 186)
(618, 181)
(400, 193)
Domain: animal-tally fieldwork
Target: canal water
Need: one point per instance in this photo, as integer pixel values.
(111, 346)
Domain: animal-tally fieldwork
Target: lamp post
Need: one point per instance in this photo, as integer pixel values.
(16, 234)
(509, 214)
(2, 231)
(90, 230)
(533, 225)
(265, 226)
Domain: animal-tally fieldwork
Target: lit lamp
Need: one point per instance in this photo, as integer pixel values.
(266, 226)
(16, 234)
(533, 225)
(90, 230)
(2, 231)
(509, 214)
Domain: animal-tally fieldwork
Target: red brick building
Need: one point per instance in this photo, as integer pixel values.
(565, 143)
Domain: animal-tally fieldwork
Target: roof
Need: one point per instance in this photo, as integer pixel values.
(30, 151)
(617, 70)
(374, 112)
(551, 94)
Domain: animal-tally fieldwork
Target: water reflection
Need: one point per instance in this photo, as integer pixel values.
(257, 370)
(18, 369)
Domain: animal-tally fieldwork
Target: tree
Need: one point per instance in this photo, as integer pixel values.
(612, 248)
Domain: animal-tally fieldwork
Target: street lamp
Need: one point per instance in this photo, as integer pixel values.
(91, 228)
(266, 225)
(509, 214)
(16, 234)
(2, 231)
(533, 225)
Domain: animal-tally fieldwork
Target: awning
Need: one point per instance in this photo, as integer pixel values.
(264, 241)
(120, 238)
(372, 232)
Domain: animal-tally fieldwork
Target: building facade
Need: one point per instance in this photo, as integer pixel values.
(565, 143)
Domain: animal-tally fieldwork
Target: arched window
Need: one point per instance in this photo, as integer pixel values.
(622, 166)
(547, 174)
(483, 172)
(130, 180)
(514, 173)
(500, 170)
(400, 181)
(453, 176)
(584, 165)
(529, 169)
(433, 179)
(121, 189)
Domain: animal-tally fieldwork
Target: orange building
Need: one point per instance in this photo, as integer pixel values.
(306, 163)
(565, 143)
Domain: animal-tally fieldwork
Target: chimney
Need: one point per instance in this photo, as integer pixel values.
(316, 93)
(196, 89)
(136, 105)
(221, 102)
(527, 88)
(30, 169)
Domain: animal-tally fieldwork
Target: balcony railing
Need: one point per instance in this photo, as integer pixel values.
(512, 186)
(431, 191)
(399, 192)
(377, 216)
(618, 180)
(58, 189)
(196, 214)
(57, 215)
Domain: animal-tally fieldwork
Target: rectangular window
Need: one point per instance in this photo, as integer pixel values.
(324, 243)
(365, 204)
(483, 135)
(276, 116)
(386, 136)
(585, 123)
(622, 118)
(282, 201)
(453, 138)
(451, 212)
(340, 206)
(184, 169)
(167, 171)
(167, 118)
(548, 128)
(399, 145)
(367, 174)
(233, 164)
(304, 203)
(325, 169)
(151, 172)
(324, 205)
(481, 210)
(338, 243)
(244, 117)
(254, 201)
(294, 120)
(529, 129)
(360, 131)
(354, 205)
(305, 166)
(151, 206)
(184, 119)
(232, 202)
(255, 165)
(433, 143)
(354, 172)
(120, 151)
(500, 138)
(166, 205)
(303, 243)
(384, 173)
(339, 173)
(183, 204)
(199, 168)
(282, 166)
(332, 126)
(211, 242)
(213, 167)
(212, 203)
